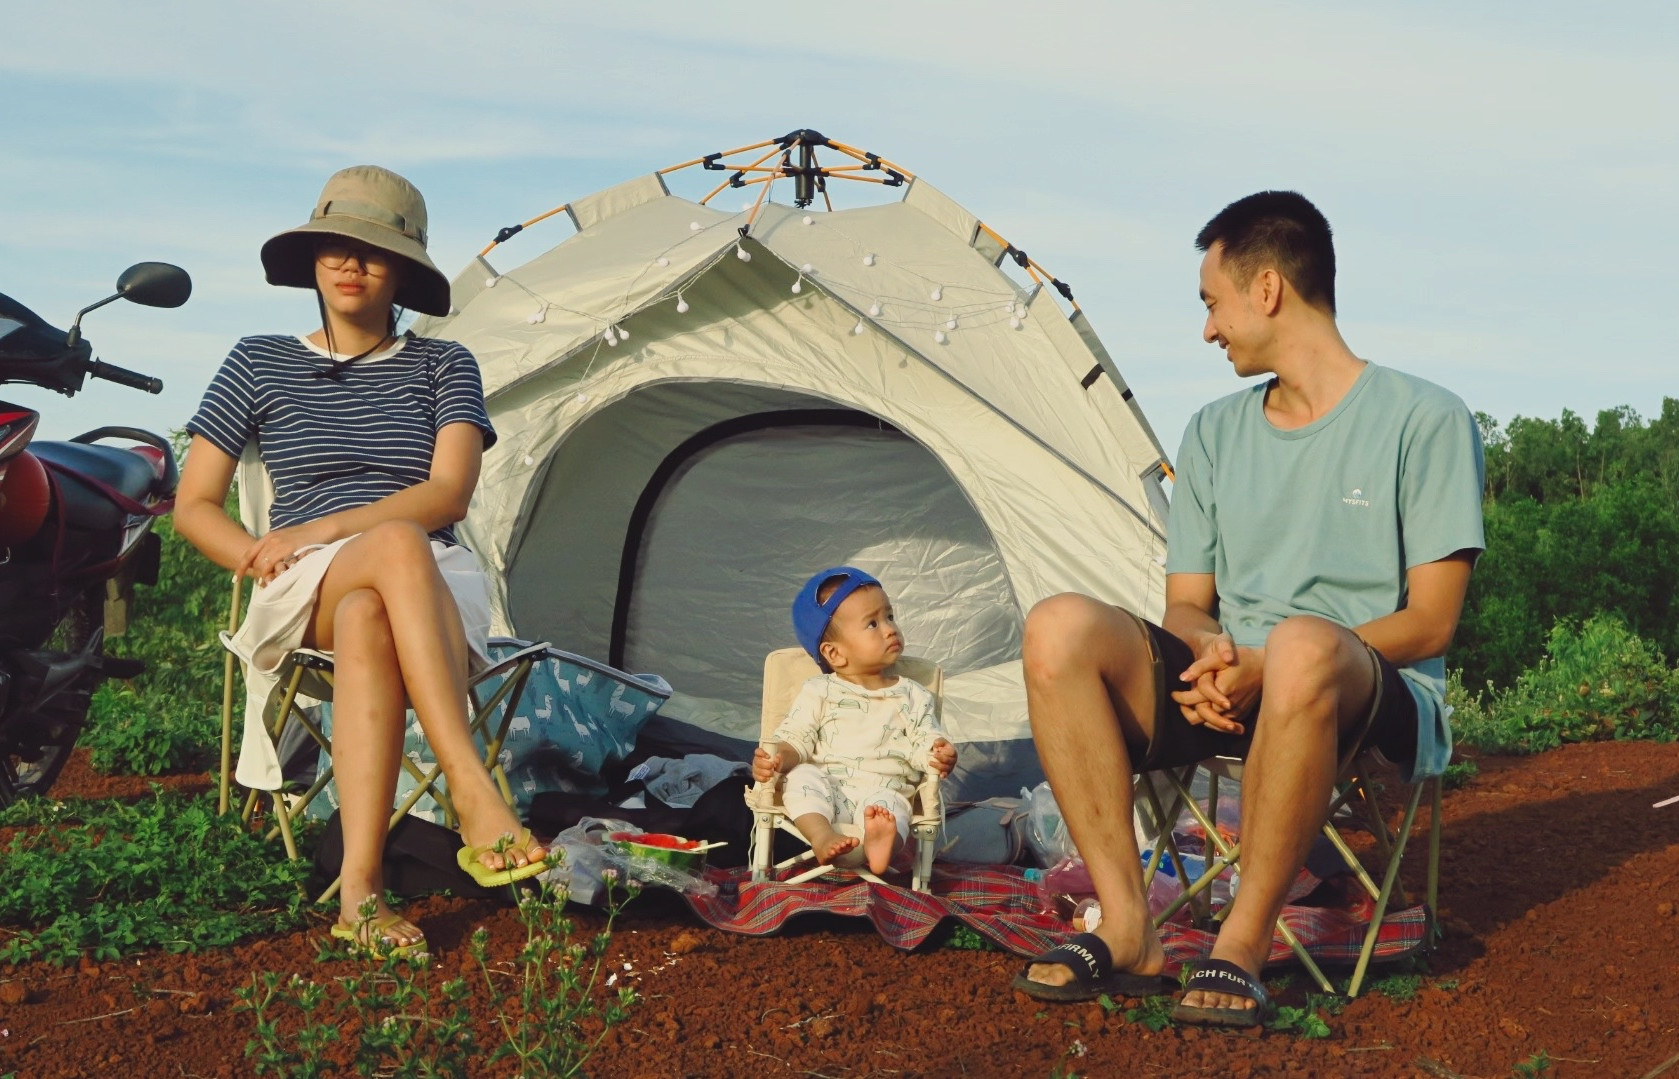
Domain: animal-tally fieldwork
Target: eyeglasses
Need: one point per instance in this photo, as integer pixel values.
(333, 254)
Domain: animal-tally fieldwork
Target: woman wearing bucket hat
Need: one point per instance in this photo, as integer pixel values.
(373, 442)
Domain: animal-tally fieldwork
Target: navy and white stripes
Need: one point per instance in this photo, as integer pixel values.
(338, 440)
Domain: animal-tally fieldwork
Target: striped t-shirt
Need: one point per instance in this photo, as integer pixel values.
(338, 439)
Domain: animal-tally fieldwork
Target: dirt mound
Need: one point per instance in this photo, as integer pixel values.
(1559, 885)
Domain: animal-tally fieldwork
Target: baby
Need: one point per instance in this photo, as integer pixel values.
(857, 740)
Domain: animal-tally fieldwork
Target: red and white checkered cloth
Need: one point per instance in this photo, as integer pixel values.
(1002, 905)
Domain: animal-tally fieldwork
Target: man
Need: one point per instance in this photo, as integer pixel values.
(1323, 527)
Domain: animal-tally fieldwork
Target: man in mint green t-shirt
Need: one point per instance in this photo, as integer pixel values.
(1323, 527)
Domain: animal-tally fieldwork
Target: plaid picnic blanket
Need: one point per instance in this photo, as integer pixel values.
(1002, 905)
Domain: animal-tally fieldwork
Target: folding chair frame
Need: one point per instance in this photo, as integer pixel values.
(309, 673)
(1355, 784)
(769, 814)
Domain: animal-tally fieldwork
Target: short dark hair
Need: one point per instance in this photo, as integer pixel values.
(1281, 230)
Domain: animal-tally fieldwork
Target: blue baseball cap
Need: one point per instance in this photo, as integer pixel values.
(810, 618)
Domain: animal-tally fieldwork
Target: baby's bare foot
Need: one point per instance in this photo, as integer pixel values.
(832, 845)
(880, 837)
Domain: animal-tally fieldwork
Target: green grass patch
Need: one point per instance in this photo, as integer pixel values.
(106, 879)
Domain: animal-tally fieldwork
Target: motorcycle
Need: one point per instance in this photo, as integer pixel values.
(75, 534)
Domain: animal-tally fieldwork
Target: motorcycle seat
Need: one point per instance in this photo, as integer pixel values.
(121, 469)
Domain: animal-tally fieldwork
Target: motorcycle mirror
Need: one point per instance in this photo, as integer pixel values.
(155, 284)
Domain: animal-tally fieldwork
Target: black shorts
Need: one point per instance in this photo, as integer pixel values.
(1390, 725)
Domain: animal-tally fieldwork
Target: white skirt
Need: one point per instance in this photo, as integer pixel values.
(280, 613)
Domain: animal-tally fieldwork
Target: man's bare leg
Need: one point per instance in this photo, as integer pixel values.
(1090, 687)
(1318, 682)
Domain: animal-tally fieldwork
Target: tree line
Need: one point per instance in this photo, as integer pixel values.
(1581, 522)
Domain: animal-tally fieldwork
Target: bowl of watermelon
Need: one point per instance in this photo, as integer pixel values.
(684, 855)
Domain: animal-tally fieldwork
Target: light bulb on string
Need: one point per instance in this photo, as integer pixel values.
(1014, 322)
(951, 324)
(939, 337)
(857, 329)
(693, 226)
(663, 261)
(809, 220)
(799, 285)
(492, 281)
(743, 254)
(868, 260)
(623, 334)
(609, 337)
(539, 315)
(681, 305)
(874, 309)
(938, 293)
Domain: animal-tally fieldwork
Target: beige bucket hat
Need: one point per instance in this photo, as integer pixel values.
(376, 207)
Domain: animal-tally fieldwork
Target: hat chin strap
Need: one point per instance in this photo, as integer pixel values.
(367, 211)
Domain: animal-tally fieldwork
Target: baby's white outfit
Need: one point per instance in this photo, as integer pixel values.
(857, 747)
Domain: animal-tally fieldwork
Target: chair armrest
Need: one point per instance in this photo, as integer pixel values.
(928, 806)
(764, 795)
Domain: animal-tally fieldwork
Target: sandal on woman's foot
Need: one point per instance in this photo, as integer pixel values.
(1220, 976)
(468, 859)
(368, 936)
(1087, 956)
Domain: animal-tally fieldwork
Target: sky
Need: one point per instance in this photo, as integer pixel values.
(1502, 189)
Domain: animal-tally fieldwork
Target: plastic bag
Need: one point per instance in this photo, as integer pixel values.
(1046, 832)
(588, 861)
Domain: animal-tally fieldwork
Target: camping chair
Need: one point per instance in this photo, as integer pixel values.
(1355, 789)
(305, 679)
(785, 670)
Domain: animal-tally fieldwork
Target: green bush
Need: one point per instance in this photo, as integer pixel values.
(169, 718)
(1597, 681)
(108, 879)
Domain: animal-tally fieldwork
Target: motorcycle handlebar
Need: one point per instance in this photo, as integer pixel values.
(110, 372)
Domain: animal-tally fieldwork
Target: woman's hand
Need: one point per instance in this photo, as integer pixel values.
(271, 555)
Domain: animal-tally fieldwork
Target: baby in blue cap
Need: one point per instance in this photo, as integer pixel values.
(857, 740)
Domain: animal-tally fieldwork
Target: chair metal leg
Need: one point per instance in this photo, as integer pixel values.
(1388, 880)
(226, 780)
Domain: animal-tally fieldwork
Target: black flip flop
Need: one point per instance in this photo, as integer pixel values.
(1093, 974)
(1220, 976)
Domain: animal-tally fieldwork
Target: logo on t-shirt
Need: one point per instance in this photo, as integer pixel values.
(1356, 498)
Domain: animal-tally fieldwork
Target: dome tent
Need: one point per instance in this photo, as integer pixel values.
(698, 409)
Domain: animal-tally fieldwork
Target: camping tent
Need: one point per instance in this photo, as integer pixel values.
(697, 409)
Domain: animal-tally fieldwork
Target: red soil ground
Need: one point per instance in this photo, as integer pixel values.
(1558, 902)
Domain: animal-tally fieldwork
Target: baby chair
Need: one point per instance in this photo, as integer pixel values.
(785, 670)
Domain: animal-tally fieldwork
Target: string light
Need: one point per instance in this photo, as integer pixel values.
(743, 254)
(492, 280)
(539, 315)
(681, 305)
(874, 309)
(857, 330)
(868, 260)
(951, 325)
(693, 226)
(939, 337)
(1014, 322)
(623, 334)
(609, 337)
(809, 220)
(798, 286)
(663, 261)
(938, 293)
